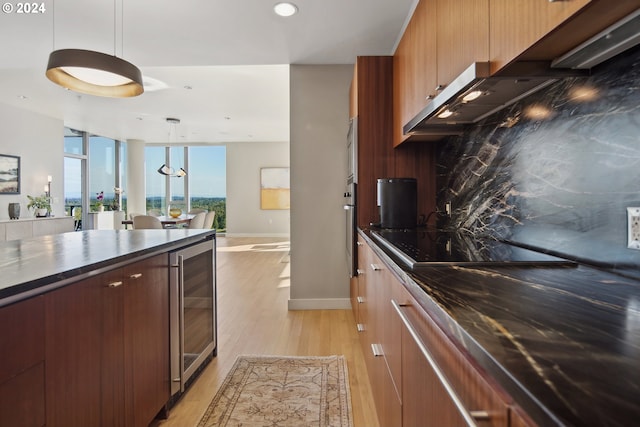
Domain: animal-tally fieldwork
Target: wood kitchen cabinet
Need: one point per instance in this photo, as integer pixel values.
(107, 347)
(462, 36)
(426, 401)
(515, 26)
(374, 336)
(415, 72)
(22, 364)
(441, 40)
(372, 90)
(541, 30)
(406, 388)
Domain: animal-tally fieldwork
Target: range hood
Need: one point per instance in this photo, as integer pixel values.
(475, 94)
(455, 107)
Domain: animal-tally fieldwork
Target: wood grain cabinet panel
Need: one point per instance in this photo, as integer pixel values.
(515, 26)
(426, 401)
(146, 321)
(22, 364)
(407, 389)
(81, 350)
(415, 71)
(462, 36)
(107, 347)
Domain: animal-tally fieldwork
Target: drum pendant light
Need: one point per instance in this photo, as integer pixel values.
(94, 73)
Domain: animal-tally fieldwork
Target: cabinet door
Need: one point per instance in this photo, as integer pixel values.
(414, 68)
(146, 311)
(432, 369)
(462, 36)
(22, 364)
(385, 392)
(517, 25)
(84, 353)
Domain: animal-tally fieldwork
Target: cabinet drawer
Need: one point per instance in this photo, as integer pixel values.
(433, 384)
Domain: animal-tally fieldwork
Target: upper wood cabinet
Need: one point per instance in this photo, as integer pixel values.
(442, 39)
(517, 25)
(415, 71)
(462, 36)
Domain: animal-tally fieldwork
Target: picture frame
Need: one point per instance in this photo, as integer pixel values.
(9, 174)
(274, 189)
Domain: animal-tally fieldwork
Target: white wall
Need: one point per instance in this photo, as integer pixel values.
(244, 216)
(39, 141)
(319, 124)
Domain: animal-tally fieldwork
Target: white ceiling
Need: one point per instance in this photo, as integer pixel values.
(220, 66)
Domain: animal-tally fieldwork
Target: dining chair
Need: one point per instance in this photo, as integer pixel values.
(132, 214)
(208, 220)
(198, 220)
(141, 222)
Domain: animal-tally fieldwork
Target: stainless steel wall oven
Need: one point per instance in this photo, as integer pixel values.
(192, 312)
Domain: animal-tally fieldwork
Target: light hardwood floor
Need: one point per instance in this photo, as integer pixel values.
(253, 290)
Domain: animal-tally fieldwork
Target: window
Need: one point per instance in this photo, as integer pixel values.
(207, 177)
(155, 183)
(204, 186)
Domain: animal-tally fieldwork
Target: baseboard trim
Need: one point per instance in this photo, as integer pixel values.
(320, 304)
(278, 235)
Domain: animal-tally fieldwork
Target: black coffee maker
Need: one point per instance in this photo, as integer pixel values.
(398, 202)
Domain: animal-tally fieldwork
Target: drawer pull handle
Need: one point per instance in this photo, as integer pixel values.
(114, 284)
(480, 415)
(376, 349)
(360, 300)
(359, 271)
(376, 267)
(359, 244)
(136, 276)
(360, 327)
(470, 417)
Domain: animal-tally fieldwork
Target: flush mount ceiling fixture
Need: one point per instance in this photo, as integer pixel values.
(94, 73)
(285, 9)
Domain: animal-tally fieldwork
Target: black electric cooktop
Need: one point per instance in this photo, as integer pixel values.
(423, 247)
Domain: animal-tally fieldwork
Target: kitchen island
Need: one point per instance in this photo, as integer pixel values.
(86, 326)
(562, 343)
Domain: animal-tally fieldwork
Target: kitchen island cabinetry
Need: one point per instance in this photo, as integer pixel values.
(106, 347)
(22, 364)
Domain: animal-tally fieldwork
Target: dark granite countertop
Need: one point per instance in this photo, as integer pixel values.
(34, 265)
(563, 341)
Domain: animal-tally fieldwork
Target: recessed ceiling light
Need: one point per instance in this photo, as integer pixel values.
(285, 9)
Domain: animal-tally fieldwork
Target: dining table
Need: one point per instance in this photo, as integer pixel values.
(167, 221)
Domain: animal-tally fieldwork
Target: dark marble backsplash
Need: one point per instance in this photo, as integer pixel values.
(555, 171)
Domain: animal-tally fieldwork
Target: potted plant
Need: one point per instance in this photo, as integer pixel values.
(100, 201)
(40, 204)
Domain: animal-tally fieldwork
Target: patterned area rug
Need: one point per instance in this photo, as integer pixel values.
(283, 391)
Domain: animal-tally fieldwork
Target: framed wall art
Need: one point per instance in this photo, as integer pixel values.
(9, 174)
(274, 188)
